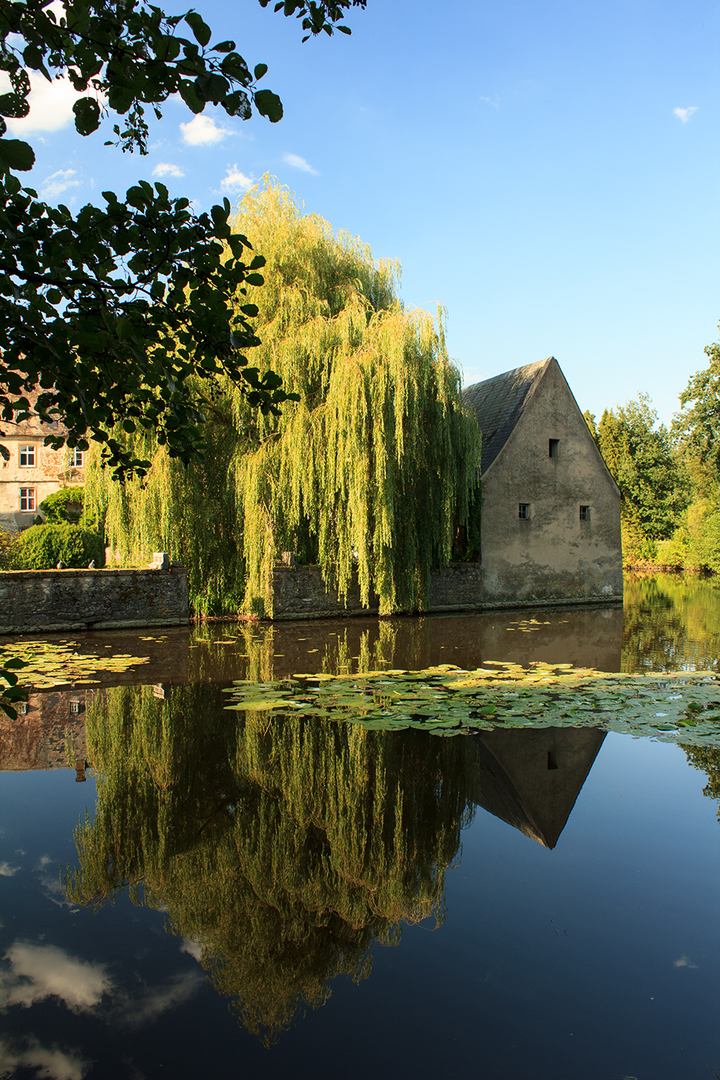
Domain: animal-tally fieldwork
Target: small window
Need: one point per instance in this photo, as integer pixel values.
(584, 513)
(28, 500)
(27, 456)
(553, 445)
(523, 511)
(75, 708)
(77, 458)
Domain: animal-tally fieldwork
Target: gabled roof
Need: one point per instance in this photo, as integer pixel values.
(499, 403)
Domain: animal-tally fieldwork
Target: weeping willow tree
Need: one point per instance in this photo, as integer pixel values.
(284, 847)
(371, 472)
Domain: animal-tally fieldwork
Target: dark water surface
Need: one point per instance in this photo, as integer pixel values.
(311, 900)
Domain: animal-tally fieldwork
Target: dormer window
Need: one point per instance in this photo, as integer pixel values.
(553, 445)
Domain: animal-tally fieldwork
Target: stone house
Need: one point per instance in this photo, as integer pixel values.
(33, 471)
(550, 525)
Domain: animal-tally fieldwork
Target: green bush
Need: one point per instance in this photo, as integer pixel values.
(9, 551)
(42, 547)
(57, 506)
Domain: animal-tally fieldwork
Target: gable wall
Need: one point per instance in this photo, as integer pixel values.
(553, 554)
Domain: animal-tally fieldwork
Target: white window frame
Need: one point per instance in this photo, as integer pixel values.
(77, 458)
(29, 452)
(29, 497)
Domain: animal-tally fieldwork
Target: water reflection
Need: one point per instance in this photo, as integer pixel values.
(671, 623)
(283, 848)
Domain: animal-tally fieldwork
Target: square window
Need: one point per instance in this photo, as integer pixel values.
(523, 511)
(553, 445)
(27, 456)
(27, 499)
(584, 513)
(77, 458)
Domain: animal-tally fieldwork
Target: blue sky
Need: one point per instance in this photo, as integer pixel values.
(548, 173)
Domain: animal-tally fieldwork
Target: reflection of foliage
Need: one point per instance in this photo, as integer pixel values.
(670, 621)
(285, 847)
(707, 759)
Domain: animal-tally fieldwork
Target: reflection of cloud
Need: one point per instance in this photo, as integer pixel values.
(58, 182)
(6, 870)
(298, 162)
(55, 1064)
(165, 169)
(146, 1006)
(684, 962)
(235, 180)
(202, 131)
(51, 886)
(192, 948)
(42, 971)
(685, 114)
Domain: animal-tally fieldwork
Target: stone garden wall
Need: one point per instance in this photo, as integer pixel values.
(46, 600)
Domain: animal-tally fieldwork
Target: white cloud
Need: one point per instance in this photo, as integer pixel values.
(43, 971)
(298, 162)
(58, 182)
(685, 114)
(53, 1063)
(684, 962)
(235, 180)
(6, 870)
(165, 169)
(50, 105)
(494, 101)
(202, 131)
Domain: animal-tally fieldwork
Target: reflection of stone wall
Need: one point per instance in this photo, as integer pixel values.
(46, 600)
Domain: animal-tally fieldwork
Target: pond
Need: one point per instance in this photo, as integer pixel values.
(190, 889)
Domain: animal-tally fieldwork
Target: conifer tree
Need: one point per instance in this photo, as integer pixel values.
(371, 471)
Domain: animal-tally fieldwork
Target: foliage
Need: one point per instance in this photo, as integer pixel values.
(707, 759)
(9, 551)
(370, 473)
(42, 547)
(283, 849)
(108, 313)
(696, 429)
(56, 507)
(639, 455)
(10, 692)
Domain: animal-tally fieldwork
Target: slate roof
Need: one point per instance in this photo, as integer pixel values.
(499, 403)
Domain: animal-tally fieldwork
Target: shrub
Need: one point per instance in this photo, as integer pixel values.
(64, 505)
(9, 551)
(42, 547)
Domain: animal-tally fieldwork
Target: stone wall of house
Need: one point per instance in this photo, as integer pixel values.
(48, 600)
(550, 529)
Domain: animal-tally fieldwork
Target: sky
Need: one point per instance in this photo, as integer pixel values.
(546, 172)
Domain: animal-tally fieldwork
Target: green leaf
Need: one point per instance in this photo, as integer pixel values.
(87, 115)
(16, 154)
(14, 105)
(269, 104)
(200, 29)
(189, 95)
(224, 47)
(260, 70)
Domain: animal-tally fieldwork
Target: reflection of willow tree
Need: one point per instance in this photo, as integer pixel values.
(670, 622)
(284, 846)
(707, 759)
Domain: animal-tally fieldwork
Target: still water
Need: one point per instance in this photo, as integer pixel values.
(307, 899)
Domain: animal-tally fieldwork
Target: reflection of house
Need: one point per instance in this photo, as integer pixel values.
(551, 510)
(34, 471)
(531, 777)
